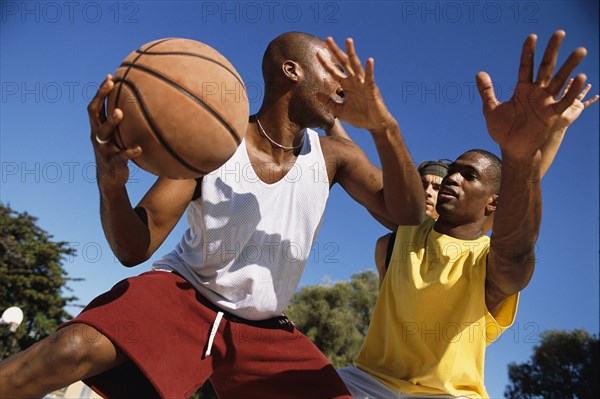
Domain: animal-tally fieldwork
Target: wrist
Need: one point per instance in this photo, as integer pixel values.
(110, 188)
(558, 129)
(386, 125)
(524, 168)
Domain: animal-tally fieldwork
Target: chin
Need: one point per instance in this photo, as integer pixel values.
(324, 123)
(431, 214)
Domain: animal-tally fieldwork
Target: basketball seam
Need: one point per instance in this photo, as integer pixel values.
(198, 100)
(235, 75)
(118, 95)
(155, 130)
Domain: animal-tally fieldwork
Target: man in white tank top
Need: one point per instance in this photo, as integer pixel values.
(251, 226)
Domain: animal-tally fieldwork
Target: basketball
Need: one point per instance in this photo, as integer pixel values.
(183, 103)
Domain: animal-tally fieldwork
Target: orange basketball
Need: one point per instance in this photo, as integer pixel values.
(183, 103)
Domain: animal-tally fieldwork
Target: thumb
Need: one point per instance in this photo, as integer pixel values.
(130, 153)
(486, 91)
(334, 107)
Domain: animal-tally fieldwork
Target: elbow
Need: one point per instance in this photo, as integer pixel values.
(128, 263)
(410, 215)
(409, 218)
(515, 270)
(131, 260)
(416, 218)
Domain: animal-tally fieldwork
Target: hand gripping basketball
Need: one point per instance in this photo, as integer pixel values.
(183, 103)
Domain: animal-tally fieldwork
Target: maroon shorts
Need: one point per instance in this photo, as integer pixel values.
(163, 325)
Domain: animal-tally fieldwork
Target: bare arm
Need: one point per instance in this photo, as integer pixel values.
(363, 107)
(521, 126)
(337, 130)
(557, 134)
(133, 234)
(381, 247)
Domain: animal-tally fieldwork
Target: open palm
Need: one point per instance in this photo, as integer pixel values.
(363, 106)
(521, 125)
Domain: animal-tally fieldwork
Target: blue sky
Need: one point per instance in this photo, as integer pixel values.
(55, 53)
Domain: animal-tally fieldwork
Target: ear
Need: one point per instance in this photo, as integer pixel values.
(292, 70)
(491, 206)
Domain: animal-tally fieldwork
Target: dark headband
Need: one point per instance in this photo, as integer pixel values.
(434, 168)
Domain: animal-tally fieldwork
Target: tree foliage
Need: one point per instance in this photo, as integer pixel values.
(564, 365)
(336, 318)
(32, 278)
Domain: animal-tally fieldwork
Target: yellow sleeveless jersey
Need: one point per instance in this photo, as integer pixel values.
(430, 326)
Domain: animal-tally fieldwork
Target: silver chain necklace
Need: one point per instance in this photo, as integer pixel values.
(273, 141)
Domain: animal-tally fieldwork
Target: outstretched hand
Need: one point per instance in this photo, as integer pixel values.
(521, 125)
(111, 161)
(363, 105)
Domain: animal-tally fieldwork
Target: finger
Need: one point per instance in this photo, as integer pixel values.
(131, 153)
(549, 59)
(106, 130)
(566, 70)
(326, 63)
(340, 56)
(591, 101)
(370, 73)
(527, 53)
(566, 89)
(334, 107)
(486, 91)
(97, 103)
(584, 92)
(571, 96)
(354, 60)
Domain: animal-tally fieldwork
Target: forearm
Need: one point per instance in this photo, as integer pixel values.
(550, 148)
(403, 192)
(516, 224)
(127, 234)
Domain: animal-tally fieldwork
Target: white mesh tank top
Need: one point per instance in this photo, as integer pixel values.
(248, 241)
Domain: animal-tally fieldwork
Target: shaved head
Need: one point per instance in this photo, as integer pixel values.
(295, 46)
(297, 81)
(493, 170)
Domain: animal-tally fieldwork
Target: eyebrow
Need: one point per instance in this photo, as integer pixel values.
(464, 167)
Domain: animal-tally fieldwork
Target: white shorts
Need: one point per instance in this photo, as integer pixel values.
(363, 386)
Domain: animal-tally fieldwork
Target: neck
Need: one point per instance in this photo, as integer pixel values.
(277, 127)
(467, 231)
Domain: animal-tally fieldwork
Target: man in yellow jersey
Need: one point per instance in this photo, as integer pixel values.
(450, 290)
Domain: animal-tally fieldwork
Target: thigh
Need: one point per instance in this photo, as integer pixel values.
(274, 364)
(363, 386)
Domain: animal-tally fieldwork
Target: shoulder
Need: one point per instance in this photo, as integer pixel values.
(338, 148)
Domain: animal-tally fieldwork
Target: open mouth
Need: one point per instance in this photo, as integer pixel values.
(447, 193)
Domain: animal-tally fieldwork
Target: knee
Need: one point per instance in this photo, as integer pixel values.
(74, 344)
(54, 362)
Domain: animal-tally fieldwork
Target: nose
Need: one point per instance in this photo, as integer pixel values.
(453, 178)
(340, 92)
(429, 191)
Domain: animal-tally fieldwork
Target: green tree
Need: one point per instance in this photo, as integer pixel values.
(336, 318)
(32, 278)
(564, 365)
